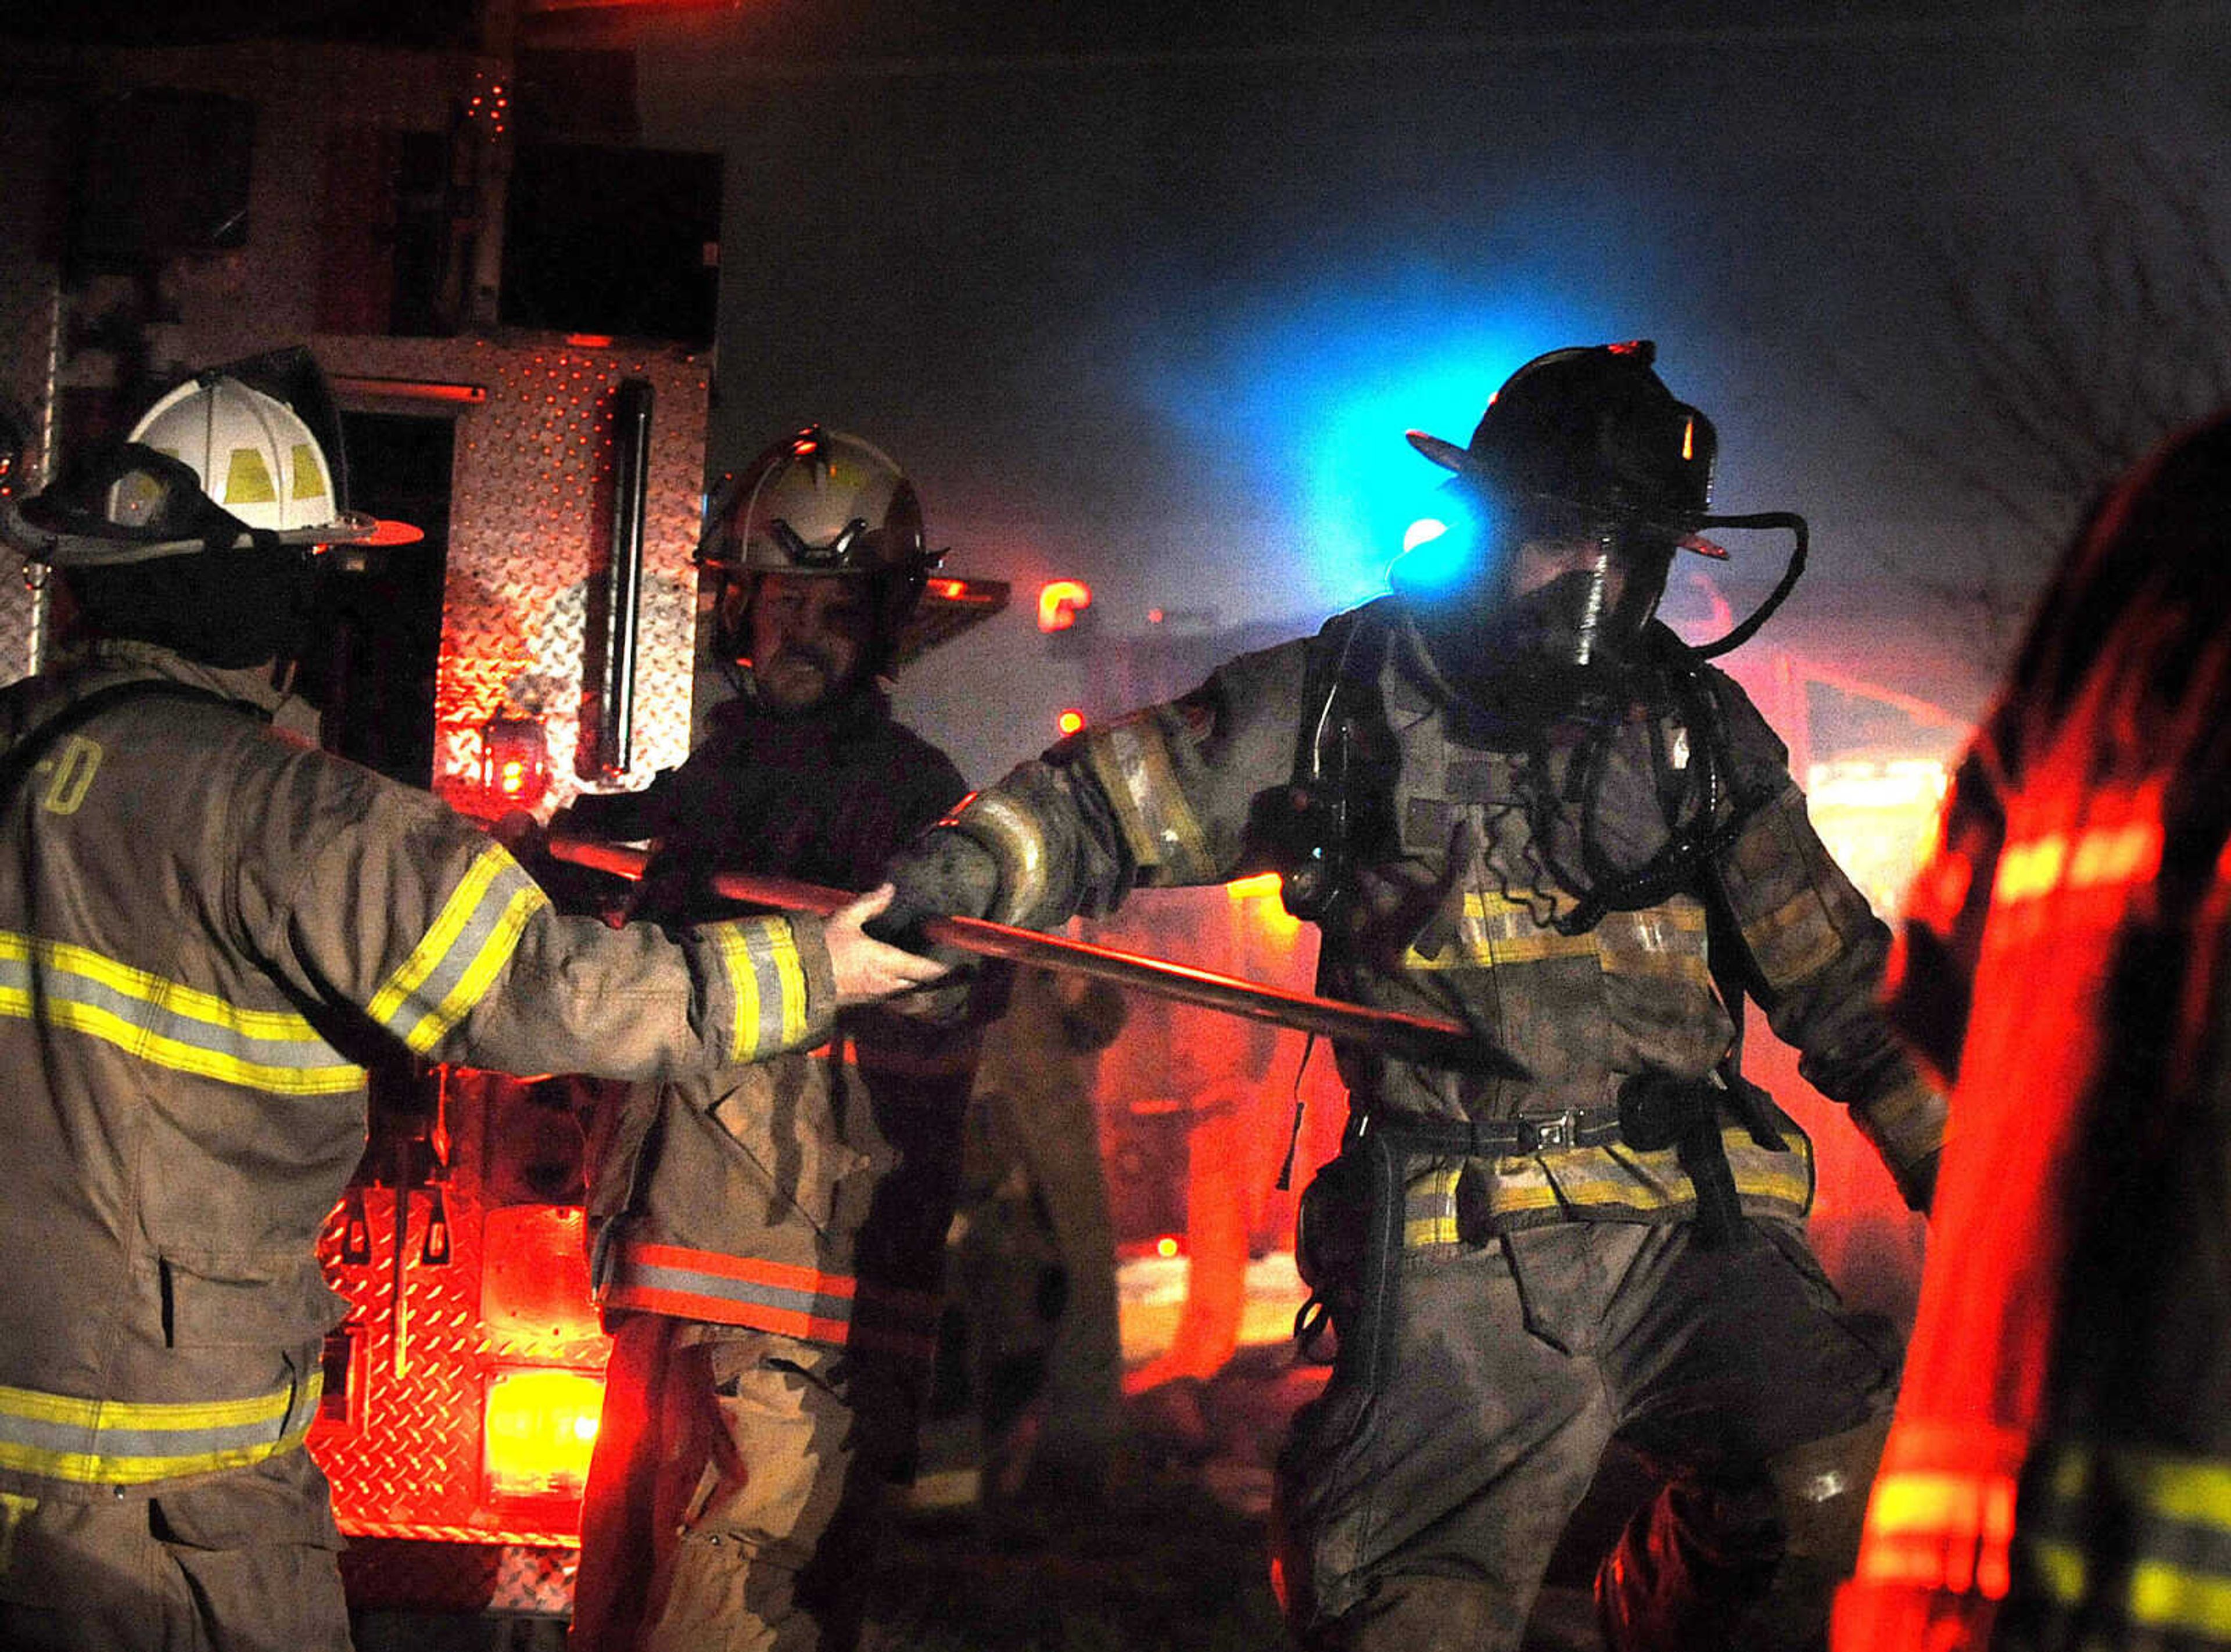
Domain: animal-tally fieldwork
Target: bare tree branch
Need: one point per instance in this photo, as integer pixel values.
(2061, 359)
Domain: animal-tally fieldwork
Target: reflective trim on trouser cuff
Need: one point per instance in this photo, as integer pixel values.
(167, 1023)
(801, 1303)
(113, 1442)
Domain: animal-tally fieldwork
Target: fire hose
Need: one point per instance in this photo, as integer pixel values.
(1427, 1040)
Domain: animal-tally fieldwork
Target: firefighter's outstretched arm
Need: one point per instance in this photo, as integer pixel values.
(1160, 798)
(371, 895)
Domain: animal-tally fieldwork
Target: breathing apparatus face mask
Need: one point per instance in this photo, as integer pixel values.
(1538, 615)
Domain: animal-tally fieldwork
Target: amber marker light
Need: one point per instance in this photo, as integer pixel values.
(540, 1427)
(1060, 601)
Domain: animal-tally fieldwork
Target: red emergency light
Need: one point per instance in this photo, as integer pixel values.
(1070, 721)
(1060, 601)
(538, 1428)
(514, 760)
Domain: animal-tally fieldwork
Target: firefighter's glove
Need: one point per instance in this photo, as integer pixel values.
(1907, 1122)
(943, 873)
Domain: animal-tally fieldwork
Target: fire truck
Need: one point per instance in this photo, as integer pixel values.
(191, 207)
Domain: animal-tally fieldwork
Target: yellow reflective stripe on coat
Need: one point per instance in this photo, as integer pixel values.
(1655, 1180)
(1605, 1177)
(2158, 1596)
(470, 942)
(1131, 761)
(166, 1022)
(1496, 931)
(2171, 1597)
(1429, 1207)
(114, 1442)
(1794, 941)
(768, 981)
(2169, 1520)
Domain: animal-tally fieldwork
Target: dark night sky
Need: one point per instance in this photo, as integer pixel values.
(1151, 304)
(1146, 294)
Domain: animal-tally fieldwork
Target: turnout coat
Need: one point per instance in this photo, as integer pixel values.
(206, 924)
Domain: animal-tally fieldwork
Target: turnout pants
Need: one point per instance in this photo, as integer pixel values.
(240, 1562)
(1420, 1497)
(734, 1491)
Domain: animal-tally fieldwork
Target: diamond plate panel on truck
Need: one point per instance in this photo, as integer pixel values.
(386, 1574)
(405, 1461)
(30, 308)
(530, 542)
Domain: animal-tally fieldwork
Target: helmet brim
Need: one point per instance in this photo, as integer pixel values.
(1446, 455)
(1449, 456)
(382, 531)
(59, 539)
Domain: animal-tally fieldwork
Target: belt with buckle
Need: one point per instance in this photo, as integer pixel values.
(1499, 1138)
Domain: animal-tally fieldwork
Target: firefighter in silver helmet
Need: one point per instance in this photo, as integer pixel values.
(768, 1246)
(1507, 795)
(205, 925)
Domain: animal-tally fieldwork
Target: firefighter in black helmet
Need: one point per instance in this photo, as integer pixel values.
(768, 1249)
(1508, 795)
(205, 925)
(1583, 479)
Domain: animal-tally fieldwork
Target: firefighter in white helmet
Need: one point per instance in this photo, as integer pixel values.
(767, 1246)
(206, 926)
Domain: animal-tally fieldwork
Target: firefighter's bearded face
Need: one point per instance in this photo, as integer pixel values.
(810, 637)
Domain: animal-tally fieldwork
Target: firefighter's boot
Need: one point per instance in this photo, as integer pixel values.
(1748, 1562)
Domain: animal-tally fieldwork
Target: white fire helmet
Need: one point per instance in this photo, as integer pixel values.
(215, 465)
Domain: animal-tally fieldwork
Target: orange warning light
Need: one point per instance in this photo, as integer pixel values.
(514, 760)
(1060, 601)
(540, 1425)
(1070, 721)
(1167, 1246)
(1259, 898)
